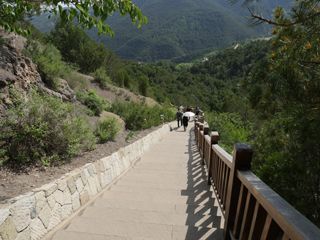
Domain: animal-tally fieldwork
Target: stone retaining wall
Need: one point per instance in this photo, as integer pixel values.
(32, 215)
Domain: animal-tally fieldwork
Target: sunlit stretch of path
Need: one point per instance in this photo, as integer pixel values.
(164, 196)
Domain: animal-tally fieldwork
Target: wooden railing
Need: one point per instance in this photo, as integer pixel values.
(251, 209)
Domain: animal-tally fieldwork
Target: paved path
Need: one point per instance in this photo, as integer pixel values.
(164, 196)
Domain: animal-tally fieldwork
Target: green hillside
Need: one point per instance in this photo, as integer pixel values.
(177, 28)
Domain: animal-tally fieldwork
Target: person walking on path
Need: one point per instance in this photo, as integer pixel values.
(181, 109)
(185, 122)
(197, 110)
(179, 117)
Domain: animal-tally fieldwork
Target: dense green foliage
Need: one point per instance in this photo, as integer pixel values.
(48, 61)
(204, 84)
(285, 90)
(143, 85)
(139, 116)
(231, 129)
(107, 129)
(43, 128)
(101, 77)
(77, 47)
(93, 101)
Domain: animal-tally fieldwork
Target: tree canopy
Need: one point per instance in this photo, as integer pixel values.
(12, 11)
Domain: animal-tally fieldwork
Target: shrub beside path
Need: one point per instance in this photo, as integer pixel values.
(164, 196)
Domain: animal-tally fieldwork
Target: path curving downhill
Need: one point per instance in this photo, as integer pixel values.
(164, 196)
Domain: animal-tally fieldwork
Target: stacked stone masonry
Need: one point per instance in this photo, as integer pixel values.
(32, 215)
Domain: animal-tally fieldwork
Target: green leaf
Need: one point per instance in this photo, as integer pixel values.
(96, 10)
(145, 20)
(104, 17)
(80, 8)
(90, 25)
(29, 7)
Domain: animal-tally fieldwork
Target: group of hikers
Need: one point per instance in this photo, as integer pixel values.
(182, 118)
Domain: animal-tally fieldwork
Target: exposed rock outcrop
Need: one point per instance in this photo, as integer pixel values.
(19, 71)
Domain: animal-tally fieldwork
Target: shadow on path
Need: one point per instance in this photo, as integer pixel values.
(200, 198)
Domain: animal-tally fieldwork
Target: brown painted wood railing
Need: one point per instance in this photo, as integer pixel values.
(252, 210)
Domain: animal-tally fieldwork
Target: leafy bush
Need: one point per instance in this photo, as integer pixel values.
(48, 61)
(101, 77)
(130, 135)
(74, 80)
(107, 129)
(127, 97)
(231, 129)
(93, 101)
(137, 116)
(43, 128)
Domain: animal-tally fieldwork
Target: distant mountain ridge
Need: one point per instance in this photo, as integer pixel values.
(178, 28)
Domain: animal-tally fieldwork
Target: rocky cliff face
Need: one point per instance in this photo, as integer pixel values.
(18, 71)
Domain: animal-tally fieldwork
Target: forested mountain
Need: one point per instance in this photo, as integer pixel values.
(177, 28)
(205, 84)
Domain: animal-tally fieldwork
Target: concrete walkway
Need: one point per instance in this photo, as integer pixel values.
(164, 196)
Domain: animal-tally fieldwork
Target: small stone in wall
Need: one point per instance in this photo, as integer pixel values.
(37, 229)
(75, 198)
(71, 184)
(55, 218)
(45, 215)
(66, 211)
(79, 184)
(84, 197)
(8, 229)
(62, 184)
(21, 211)
(93, 186)
(4, 214)
(51, 201)
(49, 188)
(40, 200)
(58, 196)
(66, 197)
(24, 235)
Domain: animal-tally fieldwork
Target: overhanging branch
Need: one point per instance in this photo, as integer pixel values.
(282, 24)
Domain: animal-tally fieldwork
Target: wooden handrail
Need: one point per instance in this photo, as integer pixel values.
(252, 210)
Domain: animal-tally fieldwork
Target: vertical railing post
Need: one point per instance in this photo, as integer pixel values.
(242, 157)
(196, 125)
(199, 135)
(213, 140)
(205, 132)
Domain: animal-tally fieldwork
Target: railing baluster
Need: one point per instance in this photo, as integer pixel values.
(223, 179)
(240, 211)
(247, 217)
(271, 229)
(205, 132)
(258, 220)
(226, 181)
(213, 140)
